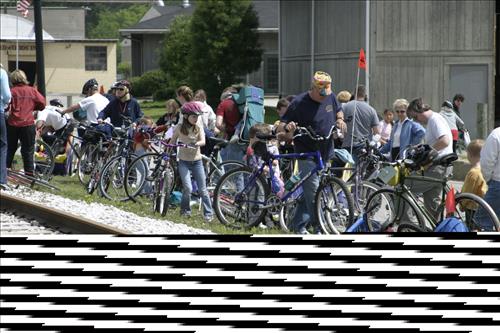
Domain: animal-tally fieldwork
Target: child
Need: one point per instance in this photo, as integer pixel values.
(385, 126)
(190, 160)
(474, 181)
(272, 147)
(171, 115)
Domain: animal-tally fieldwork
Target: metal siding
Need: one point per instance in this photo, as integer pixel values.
(296, 25)
(411, 45)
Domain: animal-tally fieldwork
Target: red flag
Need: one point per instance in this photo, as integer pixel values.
(450, 201)
(362, 60)
(22, 7)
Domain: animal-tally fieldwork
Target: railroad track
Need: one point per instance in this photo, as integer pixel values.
(58, 219)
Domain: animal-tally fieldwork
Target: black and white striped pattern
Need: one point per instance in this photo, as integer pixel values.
(347, 283)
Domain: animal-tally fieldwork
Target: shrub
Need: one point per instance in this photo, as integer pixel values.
(163, 94)
(148, 83)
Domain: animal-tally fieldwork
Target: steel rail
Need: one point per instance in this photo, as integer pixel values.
(57, 218)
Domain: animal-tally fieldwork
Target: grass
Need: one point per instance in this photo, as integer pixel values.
(156, 109)
(71, 188)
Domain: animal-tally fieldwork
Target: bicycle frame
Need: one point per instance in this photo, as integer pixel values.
(251, 183)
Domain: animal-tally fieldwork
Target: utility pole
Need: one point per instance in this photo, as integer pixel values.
(40, 63)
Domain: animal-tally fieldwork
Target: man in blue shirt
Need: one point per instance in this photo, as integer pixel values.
(318, 109)
(124, 105)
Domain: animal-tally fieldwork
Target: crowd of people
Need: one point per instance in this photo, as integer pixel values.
(190, 120)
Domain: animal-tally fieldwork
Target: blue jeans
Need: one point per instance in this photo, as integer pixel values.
(3, 149)
(186, 168)
(233, 152)
(491, 197)
(305, 214)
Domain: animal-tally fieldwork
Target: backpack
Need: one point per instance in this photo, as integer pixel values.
(250, 102)
(451, 224)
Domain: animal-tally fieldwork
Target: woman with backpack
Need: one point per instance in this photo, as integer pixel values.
(190, 160)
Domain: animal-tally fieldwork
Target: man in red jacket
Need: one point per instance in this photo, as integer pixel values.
(21, 122)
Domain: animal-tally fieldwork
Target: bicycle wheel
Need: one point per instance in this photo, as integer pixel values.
(112, 179)
(239, 197)
(476, 213)
(86, 162)
(163, 189)
(143, 180)
(334, 206)
(44, 160)
(218, 171)
(287, 213)
(95, 176)
(385, 211)
(361, 194)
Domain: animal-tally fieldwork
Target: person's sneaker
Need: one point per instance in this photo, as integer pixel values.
(208, 219)
(186, 214)
(302, 231)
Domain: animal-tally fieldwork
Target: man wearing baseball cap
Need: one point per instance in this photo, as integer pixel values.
(318, 109)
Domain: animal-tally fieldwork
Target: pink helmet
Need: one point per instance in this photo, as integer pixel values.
(191, 108)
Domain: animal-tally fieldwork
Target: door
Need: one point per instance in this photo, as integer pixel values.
(28, 67)
(472, 82)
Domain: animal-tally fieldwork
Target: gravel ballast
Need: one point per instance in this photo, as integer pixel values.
(108, 215)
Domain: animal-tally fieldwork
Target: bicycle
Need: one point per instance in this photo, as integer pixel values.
(149, 180)
(111, 182)
(243, 196)
(391, 209)
(19, 178)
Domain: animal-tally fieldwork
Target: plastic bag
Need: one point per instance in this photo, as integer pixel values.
(466, 138)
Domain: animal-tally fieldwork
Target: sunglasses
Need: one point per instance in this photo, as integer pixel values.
(121, 89)
(400, 111)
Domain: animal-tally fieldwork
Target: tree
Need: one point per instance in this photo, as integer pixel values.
(174, 57)
(110, 20)
(225, 44)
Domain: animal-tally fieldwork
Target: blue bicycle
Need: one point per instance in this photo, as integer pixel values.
(245, 195)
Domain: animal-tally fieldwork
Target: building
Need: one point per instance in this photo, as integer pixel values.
(147, 37)
(432, 49)
(70, 58)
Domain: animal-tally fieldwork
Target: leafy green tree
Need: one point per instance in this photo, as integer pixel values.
(110, 20)
(225, 44)
(174, 56)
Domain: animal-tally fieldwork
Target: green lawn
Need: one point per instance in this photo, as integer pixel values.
(157, 109)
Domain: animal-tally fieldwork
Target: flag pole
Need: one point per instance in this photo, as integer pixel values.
(354, 111)
(17, 39)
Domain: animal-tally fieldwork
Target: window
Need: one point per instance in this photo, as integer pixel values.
(96, 58)
(271, 73)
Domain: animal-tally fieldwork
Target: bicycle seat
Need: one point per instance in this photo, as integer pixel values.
(446, 160)
(219, 142)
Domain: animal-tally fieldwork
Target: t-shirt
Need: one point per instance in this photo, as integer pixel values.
(231, 115)
(52, 118)
(320, 116)
(437, 127)
(474, 183)
(93, 105)
(385, 130)
(188, 154)
(396, 140)
(366, 119)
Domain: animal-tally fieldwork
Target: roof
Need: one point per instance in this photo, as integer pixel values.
(25, 28)
(267, 11)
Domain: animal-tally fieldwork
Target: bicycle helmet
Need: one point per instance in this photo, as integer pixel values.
(56, 102)
(90, 84)
(123, 83)
(420, 156)
(191, 108)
